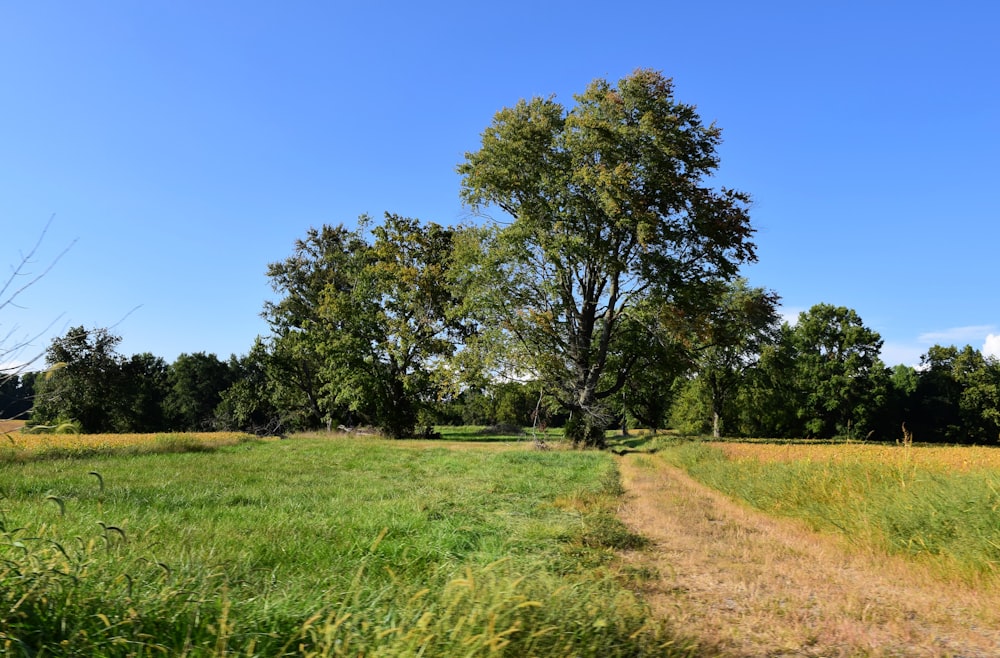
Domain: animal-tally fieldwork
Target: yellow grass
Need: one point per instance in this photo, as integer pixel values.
(944, 458)
(37, 443)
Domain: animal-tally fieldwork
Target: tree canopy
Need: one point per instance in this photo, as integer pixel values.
(370, 310)
(611, 213)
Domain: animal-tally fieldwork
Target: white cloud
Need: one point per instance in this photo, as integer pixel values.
(992, 346)
(909, 353)
(957, 336)
(20, 366)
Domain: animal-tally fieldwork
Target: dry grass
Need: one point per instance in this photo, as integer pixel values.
(10, 426)
(16, 445)
(746, 584)
(944, 458)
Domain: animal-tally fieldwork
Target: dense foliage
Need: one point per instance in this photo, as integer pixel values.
(89, 385)
(822, 378)
(17, 394)
(369, 314)
(612, 226)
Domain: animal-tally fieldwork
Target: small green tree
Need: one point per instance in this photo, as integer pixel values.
(901, 404)
(979, 405)
(691, 398)
(957, 396)
(661, 344)
(251, 403)
(769, 400)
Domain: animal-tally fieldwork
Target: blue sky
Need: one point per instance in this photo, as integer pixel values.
(185, 145)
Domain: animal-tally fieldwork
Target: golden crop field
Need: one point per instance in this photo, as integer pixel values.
(20, 444)
(945, 458)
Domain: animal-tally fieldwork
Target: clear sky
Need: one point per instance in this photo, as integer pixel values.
(185, 144)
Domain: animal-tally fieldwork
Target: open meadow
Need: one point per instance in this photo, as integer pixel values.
(316, 546)
(327, 545)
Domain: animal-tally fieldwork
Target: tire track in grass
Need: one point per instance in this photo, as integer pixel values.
(748, 585)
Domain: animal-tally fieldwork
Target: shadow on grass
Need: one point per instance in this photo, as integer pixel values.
(480, 434)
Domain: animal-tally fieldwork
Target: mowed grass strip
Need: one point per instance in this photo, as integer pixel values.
(318, 546)
(938, 505)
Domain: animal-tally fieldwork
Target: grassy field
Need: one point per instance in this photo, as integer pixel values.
(937, 505)
(317, 546)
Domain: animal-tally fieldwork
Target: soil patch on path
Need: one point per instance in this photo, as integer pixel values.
(746, 584)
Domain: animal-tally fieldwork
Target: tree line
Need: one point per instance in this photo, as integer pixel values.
(89, 386)
(817, 378)
(597, 286)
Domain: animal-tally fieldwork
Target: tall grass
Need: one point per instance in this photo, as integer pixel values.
(19, 446)
(318, 547)
(950, 519)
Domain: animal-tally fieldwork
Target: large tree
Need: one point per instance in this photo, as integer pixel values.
(371, 308)
(610, 212)
(146, 382)
(84, 382)
(320, 261)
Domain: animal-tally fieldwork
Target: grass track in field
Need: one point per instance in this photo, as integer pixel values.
(940, 505)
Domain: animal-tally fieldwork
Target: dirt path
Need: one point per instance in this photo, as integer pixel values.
(745, 584)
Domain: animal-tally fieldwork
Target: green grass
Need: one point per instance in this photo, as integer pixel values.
(315, 546)
(949, 520)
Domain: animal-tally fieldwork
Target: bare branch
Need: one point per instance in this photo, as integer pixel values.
(25, 261)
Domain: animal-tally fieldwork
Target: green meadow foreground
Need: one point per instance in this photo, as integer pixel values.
(318, 546)
(326, 546)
